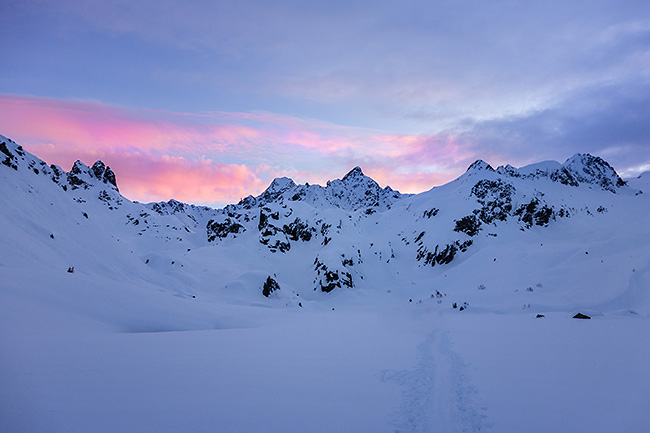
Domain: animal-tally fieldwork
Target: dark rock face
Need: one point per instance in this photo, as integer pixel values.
(57, 174)
(495, 197)
(81, 176)
(298, 230)
(329, 279)
(274, 238)
(442, 255)
(431, 212)
(270, 286)
(216, 230)
(104, 173)
(594, 170)
(10, 159)
(535, 213)
(479, 165)
(564, 177)
(470, 225)
(581, 316)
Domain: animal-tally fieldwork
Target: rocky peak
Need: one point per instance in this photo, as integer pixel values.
(82, 176)
(104, 173)
(479, 165)
(280, 184)
(589, 169)
(277, 188)
(358, 191)
(355, 173)
(79, 167)
(508, 170)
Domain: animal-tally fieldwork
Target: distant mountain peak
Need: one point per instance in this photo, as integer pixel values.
(277, 188)
(479, 165)
(79, 176)
(83, 176)
(356, 172)
(594, 170)
(281, 184)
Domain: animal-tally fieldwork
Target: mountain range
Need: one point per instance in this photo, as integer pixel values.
(548, 240)
(343, 231)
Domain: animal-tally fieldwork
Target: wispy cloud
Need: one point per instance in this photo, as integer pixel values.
(220, 157)
(606, 120)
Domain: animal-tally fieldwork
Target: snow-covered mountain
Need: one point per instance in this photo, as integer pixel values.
(549, 239)
(338, 236)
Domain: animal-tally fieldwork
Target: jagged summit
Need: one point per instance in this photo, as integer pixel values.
(334, 228)
(355, 173)
(277, 187)
(83, 176)
(580, 169)
(354, 191)
(80, 175)
(590, 169)
(479, 165)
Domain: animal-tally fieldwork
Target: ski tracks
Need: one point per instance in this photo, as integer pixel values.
(438, 395)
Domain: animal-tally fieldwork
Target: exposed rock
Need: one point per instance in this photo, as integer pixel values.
(444, 255)
(479, 165)
(270, 286)
(535, 213)
(10, 159)
(328, 279)
(470, 225)
(217, 230)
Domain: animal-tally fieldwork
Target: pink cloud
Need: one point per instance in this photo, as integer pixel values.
(202, 181)
(220, 157)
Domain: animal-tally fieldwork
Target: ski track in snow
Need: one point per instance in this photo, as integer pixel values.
(438, 394)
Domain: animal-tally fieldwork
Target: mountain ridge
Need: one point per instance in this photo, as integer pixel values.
(340, 232)
(422, 314)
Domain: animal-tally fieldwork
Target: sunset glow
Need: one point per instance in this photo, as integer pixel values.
(207, 102)
(161, 155)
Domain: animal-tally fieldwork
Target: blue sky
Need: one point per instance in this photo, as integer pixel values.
(411, 91)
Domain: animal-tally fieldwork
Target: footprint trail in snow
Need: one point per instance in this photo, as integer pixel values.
(438, 395)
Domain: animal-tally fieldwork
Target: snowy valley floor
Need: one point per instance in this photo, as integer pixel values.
(381, 368)
(128, 318)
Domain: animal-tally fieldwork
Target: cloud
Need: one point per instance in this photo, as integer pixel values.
(220, 157)
(199, 181)
(607, 120)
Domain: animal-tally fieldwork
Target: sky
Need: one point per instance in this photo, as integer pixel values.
(208, 101)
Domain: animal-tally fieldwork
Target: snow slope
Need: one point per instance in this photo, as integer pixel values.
(394, 313)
